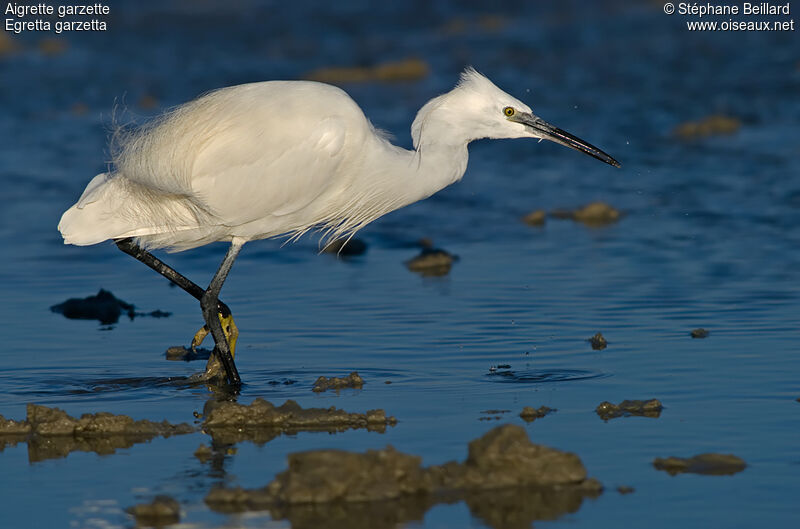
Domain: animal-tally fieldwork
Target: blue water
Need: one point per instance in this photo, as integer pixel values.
(708, 239)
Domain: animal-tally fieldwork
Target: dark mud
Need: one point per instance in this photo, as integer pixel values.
(598, 342)
(699, 333)
(261, 421)
(593, 214)
(640, 408)
(203, 453)
(506, 480)
(186, 354)
(710, 464)
(344, 248)
(714, 125)
(530, 414)
(162, 511)
(352, 381)
(492, 415)
(411, 69)
(535, 218)
(51, 433)
(431, 262)
(103, 307)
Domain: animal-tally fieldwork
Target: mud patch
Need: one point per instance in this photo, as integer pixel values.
(714, 125)
(530, 414)
(162, 511)
(103, 306)
(492, 415)
(710, 464)
(432, 262)
(353, 380)
(51, 433)
(592, 214)
(261, 421)
(598, 342)
(411, 69)
(504, 477)
(344, 248)
(640, 408)
(535, 218)
(186, 354)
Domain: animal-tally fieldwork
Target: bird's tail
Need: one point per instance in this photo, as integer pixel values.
(113, 207)
(91, 219)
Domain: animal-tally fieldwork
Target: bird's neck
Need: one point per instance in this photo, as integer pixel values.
(431, 168)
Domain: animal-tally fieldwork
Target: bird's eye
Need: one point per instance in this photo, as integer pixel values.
(508, 111)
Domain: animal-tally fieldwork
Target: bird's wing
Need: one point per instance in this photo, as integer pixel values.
(257, 169)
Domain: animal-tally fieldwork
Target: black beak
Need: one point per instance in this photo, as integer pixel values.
(555, 134)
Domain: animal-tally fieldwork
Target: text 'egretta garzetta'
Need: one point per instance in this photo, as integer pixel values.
(280, 158)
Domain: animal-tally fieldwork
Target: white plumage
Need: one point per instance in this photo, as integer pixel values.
(280, 158)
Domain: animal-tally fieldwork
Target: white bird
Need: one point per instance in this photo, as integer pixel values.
(280, 158)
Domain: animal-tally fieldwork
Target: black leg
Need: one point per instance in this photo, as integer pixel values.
(209, 303)
(131, 248)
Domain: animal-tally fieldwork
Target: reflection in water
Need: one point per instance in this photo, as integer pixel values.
(538, 375)
(508, 508)
(640, 408)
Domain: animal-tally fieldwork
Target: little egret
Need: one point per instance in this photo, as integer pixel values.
(280, 158)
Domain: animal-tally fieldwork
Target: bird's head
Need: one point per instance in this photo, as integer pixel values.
(476, 108)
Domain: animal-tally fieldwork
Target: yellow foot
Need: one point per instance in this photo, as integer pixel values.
(229, 329)
(214, 367)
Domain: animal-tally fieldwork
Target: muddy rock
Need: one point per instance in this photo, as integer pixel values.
(598, 342)
(261, 421)
(431, 262)
(535, 218)
(162, 511)
(7, 45)
(46, 421)
(13, 432)
(12, 427)
(186, 354)
(505, 457)
(203, 453)
(699, 333)
(592, 214)
(53, 46)
(332, 475)
(492, 415)
(711, 464)
(406, 70)
(641, 408)
(596, 214)
(148, 102)
(353, 380)
(346, 247)
(356, 485)
(103, 307)
(530, 414)
(713, 125)
(52, 433)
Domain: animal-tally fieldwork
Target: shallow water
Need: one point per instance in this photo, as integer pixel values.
(707, 239)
